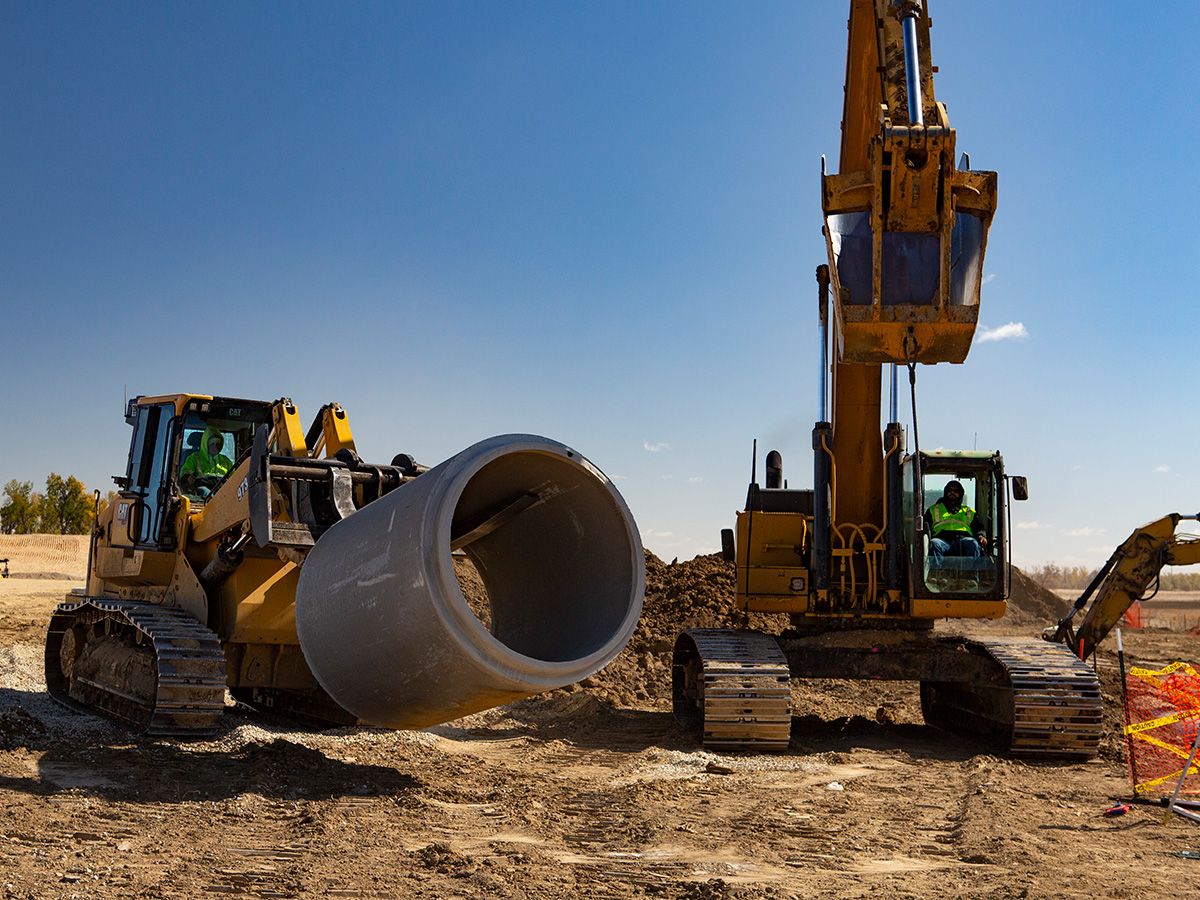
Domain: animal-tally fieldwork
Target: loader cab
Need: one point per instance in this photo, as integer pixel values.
(957, 569)
(166, 431)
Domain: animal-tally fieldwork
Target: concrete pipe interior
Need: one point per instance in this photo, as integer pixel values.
(553, 552)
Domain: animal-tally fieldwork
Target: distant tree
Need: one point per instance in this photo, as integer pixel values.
(66, 507)
(1181, 581)
(22, 508)
(1078, 577)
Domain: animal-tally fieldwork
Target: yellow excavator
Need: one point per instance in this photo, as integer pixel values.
(1123, 580)
(244, 552)
(879, 548)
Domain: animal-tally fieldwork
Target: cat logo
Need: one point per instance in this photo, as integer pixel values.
(799, 584)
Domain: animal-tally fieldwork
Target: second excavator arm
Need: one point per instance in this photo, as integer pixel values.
(1123, 580)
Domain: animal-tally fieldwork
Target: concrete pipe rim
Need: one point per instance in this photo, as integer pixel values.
(486, 649)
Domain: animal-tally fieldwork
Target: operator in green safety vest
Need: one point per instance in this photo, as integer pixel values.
(954, 529)
(203, 469)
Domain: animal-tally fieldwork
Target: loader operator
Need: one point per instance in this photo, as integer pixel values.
(203, 469)
(954, 529)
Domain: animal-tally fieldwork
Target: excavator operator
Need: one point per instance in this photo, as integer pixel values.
(201, 471)
(954, 529)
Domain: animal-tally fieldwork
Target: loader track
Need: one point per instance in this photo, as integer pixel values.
(736, 686)
(151, 667)
(1047, 703)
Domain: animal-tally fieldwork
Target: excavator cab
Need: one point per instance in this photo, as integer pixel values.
(951, 564)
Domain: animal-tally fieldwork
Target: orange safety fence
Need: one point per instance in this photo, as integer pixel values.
(1162, 710)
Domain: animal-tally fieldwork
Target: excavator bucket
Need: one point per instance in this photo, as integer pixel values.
(905, 229)
(904, 295)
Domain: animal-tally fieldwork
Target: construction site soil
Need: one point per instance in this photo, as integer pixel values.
(593, 790)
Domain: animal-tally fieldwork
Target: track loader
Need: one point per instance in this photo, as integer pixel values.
(889, 538)
(246, 553)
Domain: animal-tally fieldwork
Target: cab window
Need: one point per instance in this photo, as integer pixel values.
(960, 546)
(235, 426)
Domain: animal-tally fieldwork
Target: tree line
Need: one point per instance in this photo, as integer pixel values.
(65, 507)
(1079, 577)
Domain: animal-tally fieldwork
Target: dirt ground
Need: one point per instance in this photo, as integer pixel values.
(591, 791)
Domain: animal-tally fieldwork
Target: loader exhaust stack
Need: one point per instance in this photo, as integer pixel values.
(381, 616)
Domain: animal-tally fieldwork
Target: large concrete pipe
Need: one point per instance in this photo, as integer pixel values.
(382, 618)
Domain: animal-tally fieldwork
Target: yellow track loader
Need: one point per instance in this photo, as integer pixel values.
(246, 553)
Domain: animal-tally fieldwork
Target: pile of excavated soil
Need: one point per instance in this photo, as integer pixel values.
(694, 594)
(1031, 604)
(45, 555)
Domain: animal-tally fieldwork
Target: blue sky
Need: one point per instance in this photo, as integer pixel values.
(597, 222)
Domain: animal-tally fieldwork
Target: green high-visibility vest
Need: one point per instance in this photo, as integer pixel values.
(200, 463)
(945, 521)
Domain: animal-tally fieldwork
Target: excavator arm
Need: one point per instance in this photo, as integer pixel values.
(905, 234)
(1123, 580)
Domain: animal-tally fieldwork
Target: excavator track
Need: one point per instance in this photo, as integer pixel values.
(736, 686)
(1046, 701)
(151, 667)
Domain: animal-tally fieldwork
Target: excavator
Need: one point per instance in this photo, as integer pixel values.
(859, 563)
(1123, 581)
(244, 553)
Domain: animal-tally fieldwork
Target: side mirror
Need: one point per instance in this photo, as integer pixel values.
(728, 553)
(1020, 487)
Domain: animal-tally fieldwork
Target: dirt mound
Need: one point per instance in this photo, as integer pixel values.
(694, 594)
(1031, 604)
(45, 555)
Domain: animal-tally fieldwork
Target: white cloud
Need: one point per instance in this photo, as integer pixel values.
(989, 278)
(1162, 468)
(1030, 526)
(667, 477)
(655, 447)
(1085, 531)
(695, 479)
(651, 533)
(619, 477)
(1011, 331)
